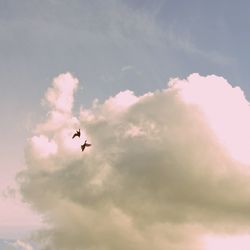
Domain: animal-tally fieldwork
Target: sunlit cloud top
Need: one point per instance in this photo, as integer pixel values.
(226, 110)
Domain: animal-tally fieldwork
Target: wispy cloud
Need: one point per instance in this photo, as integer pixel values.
(184, 42)
(126, 68)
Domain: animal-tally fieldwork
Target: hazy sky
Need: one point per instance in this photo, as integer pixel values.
(109, 46)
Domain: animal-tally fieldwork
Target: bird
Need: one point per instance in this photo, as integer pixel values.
(77, 133)
(85, 145)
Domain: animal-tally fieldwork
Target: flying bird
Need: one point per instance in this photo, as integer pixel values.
(85, 145)
(77, 133)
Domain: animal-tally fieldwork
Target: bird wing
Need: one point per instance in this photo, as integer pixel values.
(74, 136)
(87, 145)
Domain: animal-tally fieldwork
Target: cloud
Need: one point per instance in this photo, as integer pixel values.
(227, 242)
(160, 174)
(59, 98)
(22, 245)
(225, 108)
(8, 192)
(185, 43)
(60, 95)
(126, 68)
(43, 147)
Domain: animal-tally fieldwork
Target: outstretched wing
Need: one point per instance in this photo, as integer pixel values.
(78, 133)
(87, 145)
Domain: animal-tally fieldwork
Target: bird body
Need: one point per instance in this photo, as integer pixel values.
(85, 145)
(77, 133)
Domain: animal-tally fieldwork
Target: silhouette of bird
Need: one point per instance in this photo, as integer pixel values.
(77, 133)
(85, 145)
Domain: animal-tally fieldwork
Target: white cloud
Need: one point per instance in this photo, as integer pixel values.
(43, 147)
(60, 96)
(158, 175)
(60, 99)
(226, 109)
(122, 101)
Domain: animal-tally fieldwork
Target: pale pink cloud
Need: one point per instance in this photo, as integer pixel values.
(43, 147)
(60, 95)
(225, 107)
(227, 242)
(121, 101)
(68, 146)
(134, 131)
(60, 98)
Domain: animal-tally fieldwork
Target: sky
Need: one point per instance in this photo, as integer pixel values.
(160, 89)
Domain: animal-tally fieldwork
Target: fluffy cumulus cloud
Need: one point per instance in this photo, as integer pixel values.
(166, 170)
(59, 98)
